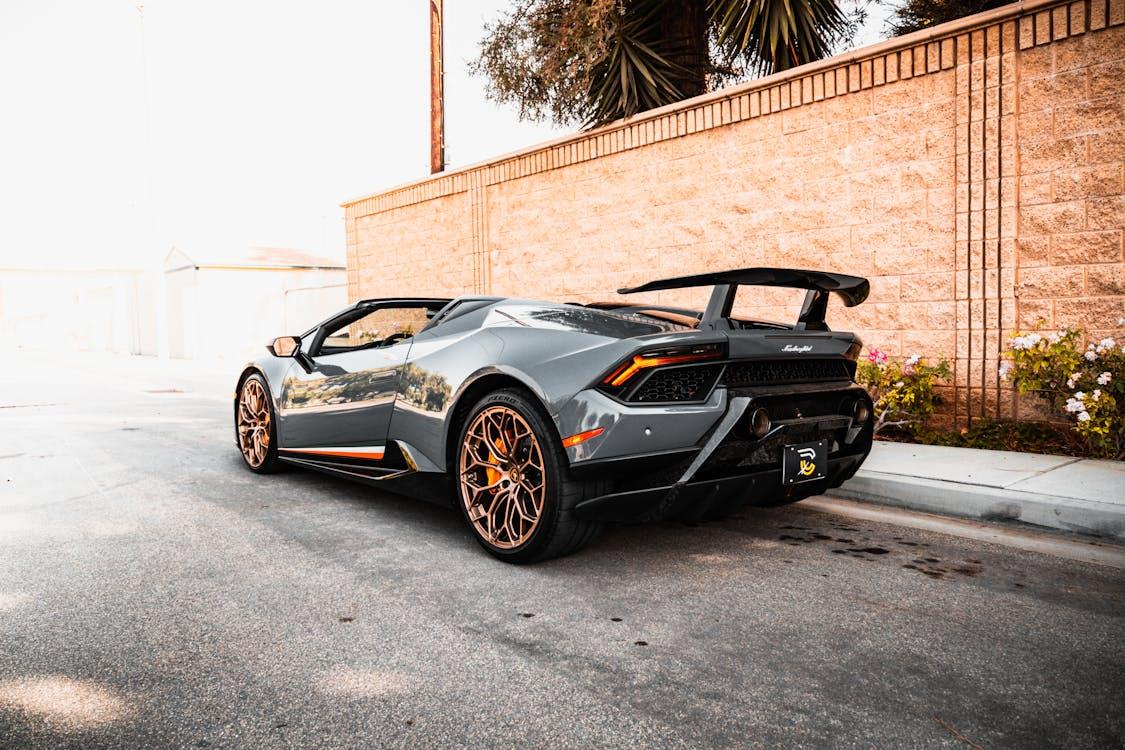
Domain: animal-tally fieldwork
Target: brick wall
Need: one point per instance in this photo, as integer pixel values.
(973, 172)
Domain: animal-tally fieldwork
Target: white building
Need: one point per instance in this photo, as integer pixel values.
(99, 310)
(212, 309)
(230, 308)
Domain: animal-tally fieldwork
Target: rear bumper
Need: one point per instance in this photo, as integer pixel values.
(694, 498)
(733, 466)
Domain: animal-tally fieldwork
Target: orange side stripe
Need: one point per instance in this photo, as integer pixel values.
(373, 453)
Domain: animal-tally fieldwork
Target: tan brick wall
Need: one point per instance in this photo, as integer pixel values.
(973, 173)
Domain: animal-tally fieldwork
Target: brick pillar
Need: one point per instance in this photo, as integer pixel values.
(986, 216)
(478, 200)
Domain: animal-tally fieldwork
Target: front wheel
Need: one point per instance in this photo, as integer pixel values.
(513, 483)
(255, 426)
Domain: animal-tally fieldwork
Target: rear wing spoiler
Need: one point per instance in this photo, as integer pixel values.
(851, 289)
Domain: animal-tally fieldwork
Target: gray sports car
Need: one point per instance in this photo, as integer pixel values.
(542, 421)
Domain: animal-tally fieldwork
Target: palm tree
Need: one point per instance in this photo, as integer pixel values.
(594, 61)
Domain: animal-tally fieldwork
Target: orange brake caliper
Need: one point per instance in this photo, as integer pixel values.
(492, 473)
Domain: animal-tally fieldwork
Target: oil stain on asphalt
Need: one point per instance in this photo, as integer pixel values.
(931, 567)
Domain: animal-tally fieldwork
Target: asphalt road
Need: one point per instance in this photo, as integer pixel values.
(154, 593)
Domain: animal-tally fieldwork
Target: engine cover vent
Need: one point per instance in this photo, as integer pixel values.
(771, 371)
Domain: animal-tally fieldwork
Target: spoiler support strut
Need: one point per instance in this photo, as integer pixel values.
(852, 290)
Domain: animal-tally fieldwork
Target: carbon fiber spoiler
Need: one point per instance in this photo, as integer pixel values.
(851, 289)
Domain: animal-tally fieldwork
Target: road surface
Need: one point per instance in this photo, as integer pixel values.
(154, 593)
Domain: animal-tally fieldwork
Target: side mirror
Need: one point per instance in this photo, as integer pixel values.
(285, 346)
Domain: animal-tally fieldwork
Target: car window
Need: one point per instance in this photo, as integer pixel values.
(381, 327)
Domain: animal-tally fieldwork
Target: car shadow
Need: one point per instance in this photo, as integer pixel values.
(645, 544)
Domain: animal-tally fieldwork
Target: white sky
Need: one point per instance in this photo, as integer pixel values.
(265, 116)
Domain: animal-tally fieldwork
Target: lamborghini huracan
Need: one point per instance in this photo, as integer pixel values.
(542, 421)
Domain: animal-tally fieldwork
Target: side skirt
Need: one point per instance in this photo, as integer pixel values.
(353, 470)
(394, 471)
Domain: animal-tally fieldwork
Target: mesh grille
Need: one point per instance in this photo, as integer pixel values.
(767, 372)
(678, 384)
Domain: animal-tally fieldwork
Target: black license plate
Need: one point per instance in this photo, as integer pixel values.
(805, 462)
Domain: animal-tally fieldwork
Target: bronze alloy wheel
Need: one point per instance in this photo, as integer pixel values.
(503, 482)
(254, 422)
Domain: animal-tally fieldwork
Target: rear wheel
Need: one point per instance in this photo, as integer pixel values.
(254, 423)
(513, 483)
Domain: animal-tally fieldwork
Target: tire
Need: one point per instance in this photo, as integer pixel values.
(519, 504)
(255, 427)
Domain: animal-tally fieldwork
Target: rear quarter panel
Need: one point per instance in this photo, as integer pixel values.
(558, 356)
(553, 365)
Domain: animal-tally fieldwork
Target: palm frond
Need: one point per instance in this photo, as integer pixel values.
(595, 61)
(635, 72)
(773, 35)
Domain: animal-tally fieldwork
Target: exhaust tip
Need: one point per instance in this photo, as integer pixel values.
(760, 423)
(861, 412)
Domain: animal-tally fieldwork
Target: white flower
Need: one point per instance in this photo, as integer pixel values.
(1079, 396)
(1073, 406)
(1096, 394)
(1054, 338)
(1084, 417)
(1104, 378)
(1005, 368)
(1121, 321)
(1070, 382)
(1107, 343)
(913, 359)
(899, 384)
(1091, 356)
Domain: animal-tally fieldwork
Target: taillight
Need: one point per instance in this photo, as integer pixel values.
(659, 358)
(619, 378)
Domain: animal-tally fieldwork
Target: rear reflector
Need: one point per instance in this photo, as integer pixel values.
(582, 437)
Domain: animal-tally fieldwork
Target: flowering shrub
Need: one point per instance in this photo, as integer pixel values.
(1087, 385)
(903, 392)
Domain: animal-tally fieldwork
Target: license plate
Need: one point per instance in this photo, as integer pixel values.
(805, 462)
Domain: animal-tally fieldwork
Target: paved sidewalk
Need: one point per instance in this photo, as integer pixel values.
(1058, 492)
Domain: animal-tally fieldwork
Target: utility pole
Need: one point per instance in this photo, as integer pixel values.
(437, 89)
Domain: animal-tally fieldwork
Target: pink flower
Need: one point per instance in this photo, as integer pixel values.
(877, 356)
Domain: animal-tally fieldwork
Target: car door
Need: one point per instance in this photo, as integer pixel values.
(337, 401)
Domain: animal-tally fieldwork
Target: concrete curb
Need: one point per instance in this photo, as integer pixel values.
(987, 503)
(1105, 552)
